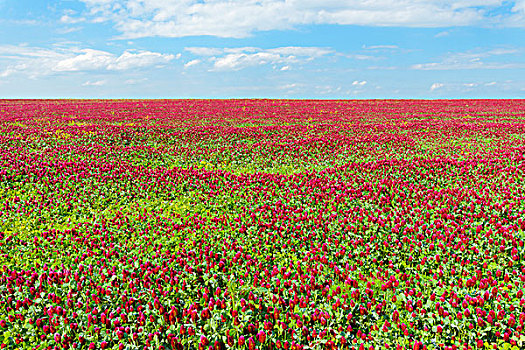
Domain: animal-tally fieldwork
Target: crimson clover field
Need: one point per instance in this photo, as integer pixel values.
(262, 224)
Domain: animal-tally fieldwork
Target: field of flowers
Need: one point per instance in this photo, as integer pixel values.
(262, 224)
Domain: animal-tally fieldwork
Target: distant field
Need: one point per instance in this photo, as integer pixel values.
(262, 224)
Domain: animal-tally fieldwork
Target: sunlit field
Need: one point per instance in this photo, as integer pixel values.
(262, 224)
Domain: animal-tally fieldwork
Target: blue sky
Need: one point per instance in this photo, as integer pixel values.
(266, 48)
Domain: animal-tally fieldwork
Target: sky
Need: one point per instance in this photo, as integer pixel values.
(322, 49)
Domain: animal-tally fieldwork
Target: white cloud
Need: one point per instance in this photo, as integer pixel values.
(327, 89)
(11, 70)
(237, 58)
(518, 10)
(95, 60)
(519, 6)
(35, 61)
(71, 20)
(240, 18)
(286, 50)
(236, 61)
(359, 83)
(68, 30)
(135, 81)
(442, 34)
(192, 63)
(499, 51)
(204, 51)
(94, 83)
(129, 60)
(241, 49)
(479, 87)
(301, 51)
(88, 59)
(22, 50)
(289, 86)
(436, 86)
(472, 60)
(362, 57)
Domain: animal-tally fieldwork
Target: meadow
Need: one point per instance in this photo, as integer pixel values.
(262, 224)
